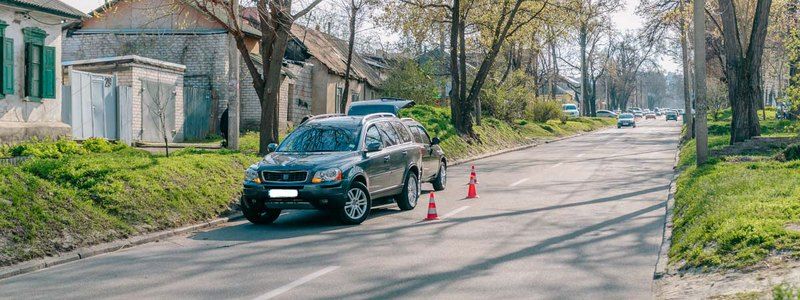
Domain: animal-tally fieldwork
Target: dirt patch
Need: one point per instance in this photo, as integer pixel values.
(756, 146)
(752, 283)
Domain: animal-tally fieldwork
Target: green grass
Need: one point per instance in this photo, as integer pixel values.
(55, 205)
(735, 213)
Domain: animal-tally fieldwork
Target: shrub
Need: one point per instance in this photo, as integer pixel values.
(98, 145)
(544, 111)
(792, 152)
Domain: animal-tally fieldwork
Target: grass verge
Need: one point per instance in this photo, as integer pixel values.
(736, 210)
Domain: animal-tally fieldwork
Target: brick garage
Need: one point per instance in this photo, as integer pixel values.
(131, 71)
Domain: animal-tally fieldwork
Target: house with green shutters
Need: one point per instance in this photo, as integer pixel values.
(30, 77)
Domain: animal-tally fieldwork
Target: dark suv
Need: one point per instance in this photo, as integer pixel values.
(342, 164)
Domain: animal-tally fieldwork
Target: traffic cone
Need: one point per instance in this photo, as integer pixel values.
(473, 174)
(472, 191)
(432, 215)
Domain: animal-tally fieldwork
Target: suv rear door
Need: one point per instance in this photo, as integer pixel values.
(430, 155)
(397, 152)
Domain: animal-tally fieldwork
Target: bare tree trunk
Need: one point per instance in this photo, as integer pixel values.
(584, 70)
(455, 89)
(270, 95)
(688, 117)
(469, 104)
(554, 71)
(701, 128)
(350, 43)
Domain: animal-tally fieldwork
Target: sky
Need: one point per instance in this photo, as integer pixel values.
(625, 19)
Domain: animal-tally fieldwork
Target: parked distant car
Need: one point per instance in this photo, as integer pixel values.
(638, 114)
(606, 114)
(650, 115)
(570, 110)
(625, 120)
(672, 115)
(383, 105)
(342, 164)
(434, 162)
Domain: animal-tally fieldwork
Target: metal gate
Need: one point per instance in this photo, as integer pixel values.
(197, 106)
(90, 105)
(158, 99)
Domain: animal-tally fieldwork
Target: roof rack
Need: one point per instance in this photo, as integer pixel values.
(377, 115)
(324, 116)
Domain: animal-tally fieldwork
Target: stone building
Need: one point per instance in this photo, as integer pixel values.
(30, 77)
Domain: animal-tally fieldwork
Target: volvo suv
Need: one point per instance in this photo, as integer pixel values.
(342, 164)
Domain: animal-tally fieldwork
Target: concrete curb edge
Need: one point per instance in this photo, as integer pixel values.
(662, 263)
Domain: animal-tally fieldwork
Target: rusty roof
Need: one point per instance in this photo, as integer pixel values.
(332, 52)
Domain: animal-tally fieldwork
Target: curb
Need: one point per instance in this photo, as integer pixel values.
(666, 239)
(83, 253)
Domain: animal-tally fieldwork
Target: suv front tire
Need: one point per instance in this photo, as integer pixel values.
(256, 215)
(356, 206)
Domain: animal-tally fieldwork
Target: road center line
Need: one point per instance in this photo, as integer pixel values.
(453, 212)
(556, 165)
(518, 182)
(276, 292)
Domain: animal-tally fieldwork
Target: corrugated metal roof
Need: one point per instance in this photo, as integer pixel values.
(55, 7)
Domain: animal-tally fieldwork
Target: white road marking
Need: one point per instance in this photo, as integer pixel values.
(556, 165)
(276, 292)
(518, 182)
(581, 155)
(453, 212)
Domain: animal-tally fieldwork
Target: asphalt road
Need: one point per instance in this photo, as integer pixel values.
(580, 218)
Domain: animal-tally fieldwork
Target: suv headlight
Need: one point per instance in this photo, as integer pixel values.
(251, 174)
(329, 175)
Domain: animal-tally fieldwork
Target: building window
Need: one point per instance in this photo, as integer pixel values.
(6, 62)
(40, 75)
(339, 92)
(355, 96)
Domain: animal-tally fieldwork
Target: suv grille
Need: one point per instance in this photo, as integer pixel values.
(291, 176)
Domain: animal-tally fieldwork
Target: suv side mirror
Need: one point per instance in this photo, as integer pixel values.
(373, 147)
(272, 147)
(435, 141)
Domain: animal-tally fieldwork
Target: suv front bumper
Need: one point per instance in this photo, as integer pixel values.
(309, 196)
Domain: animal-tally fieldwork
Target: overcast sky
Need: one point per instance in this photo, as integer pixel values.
(625, 19)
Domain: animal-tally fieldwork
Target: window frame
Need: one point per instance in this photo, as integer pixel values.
(3, 26)
(34, 38)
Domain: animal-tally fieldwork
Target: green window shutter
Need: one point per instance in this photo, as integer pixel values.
(28, 66)
(49, 73)
(8, 66)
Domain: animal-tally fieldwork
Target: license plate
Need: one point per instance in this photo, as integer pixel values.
(283, 193)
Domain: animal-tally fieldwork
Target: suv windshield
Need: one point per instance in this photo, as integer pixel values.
(321, 138)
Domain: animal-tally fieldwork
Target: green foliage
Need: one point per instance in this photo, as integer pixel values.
(98, 145)
(507, 101)
(411, 81)
(544, 110)
(785, 291)
(60, 148)
(792, 152)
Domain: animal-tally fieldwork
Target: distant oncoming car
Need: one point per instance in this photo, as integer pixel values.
(570, 110)
(626, 119)
(650, 115)
(606, 114)
(672, 115)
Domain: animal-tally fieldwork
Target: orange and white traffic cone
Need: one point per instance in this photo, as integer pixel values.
(432, 215)
(472, 190)
(473, 174)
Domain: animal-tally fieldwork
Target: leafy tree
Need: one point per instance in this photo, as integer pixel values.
(409, 80)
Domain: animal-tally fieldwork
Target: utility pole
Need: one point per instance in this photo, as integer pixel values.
(701, 127)
(233, 86)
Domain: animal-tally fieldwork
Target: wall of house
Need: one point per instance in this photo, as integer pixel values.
(251, 106)
(21, 119)
(300, 99)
